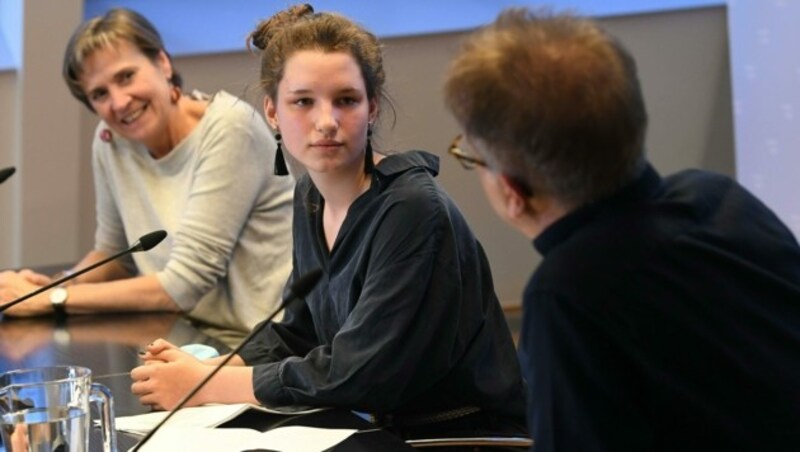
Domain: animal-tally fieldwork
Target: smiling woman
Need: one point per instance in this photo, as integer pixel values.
(193, 165)
(134, 96)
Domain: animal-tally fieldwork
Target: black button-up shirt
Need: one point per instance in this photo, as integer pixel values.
(666, 317)
(405, 319)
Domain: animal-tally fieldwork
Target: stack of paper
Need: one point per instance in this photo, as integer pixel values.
(284, 439)
(193, 429)
(199, 416)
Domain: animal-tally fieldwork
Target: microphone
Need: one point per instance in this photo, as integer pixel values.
(5, 173)
(145, 243)
(295, 291)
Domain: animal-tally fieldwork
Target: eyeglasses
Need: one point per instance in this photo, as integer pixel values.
(470, 162)
(467, 161)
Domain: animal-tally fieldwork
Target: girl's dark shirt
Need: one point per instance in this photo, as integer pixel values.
(405, 319)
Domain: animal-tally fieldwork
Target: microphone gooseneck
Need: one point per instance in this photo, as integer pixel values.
(5, 173)
(145, 243)
(297, 290)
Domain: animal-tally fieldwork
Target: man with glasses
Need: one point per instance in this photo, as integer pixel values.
(666, 312)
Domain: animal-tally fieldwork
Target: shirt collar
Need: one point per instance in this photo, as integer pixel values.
(395, 164)
(387, 169)
(643, 187)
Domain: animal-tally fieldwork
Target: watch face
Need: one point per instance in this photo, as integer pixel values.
(58, 296)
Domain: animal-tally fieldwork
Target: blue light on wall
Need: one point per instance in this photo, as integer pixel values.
(209, 26)
(10, 33)
(191, 27)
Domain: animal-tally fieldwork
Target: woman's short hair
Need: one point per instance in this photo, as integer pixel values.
(116, 25)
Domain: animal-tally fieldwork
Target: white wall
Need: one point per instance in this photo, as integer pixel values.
(8, 102)
(40, 224)
(766, 76)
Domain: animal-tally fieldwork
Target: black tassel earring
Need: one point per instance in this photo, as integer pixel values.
(368, 163)
(280, 164)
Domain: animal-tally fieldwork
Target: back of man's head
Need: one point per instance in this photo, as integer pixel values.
(554, 100)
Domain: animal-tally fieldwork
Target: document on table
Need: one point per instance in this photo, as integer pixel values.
(200, 416)
(294, 438)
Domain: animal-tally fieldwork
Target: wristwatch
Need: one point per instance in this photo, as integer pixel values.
(58, 298)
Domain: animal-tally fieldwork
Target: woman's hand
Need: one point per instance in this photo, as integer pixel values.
(17, 284)
(35, 278)
(154, 348)
(167, 376)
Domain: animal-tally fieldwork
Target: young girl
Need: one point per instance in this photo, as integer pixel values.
(405, 323)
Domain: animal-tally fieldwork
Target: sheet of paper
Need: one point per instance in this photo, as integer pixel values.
(198, 438)
(201, 416)
(294, 438)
